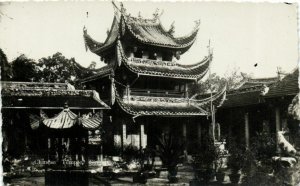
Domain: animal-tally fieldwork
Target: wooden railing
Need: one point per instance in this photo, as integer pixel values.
(152, 62)
(156, 93)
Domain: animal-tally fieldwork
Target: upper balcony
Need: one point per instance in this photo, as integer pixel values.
(128, 92)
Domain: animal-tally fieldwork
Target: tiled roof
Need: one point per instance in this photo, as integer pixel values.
(48, 95)
(66, 119)
(163, 68)
(145, 31)
(101, 72)
(143, 105)
(243, 98)
(287, 86)
(256, 82)
(152, 32)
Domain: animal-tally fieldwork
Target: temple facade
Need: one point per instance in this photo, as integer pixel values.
(146, 85)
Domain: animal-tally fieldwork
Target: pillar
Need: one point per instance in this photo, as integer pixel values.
(199, 133)
(184, 134)
(186, 94)
(184, 131)
(277, 121)
(142, 136)
(247, 129)
(124, 134)
(277, 115)
(49, 148)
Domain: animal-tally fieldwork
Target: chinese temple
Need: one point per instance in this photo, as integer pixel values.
(146, 84)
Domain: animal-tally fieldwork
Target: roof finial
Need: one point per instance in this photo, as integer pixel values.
(123, 10)
(209, 48)
(155, 14)
(197, 24)
(172, 28)
(139, 15)
(84, 30)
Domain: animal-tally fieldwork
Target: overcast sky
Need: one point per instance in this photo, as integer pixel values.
(241, 34)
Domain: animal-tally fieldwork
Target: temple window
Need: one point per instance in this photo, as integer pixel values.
(159, 56)
(138, 54)
(153, 56)
(166, 57)
(182, 88)
(145, 55)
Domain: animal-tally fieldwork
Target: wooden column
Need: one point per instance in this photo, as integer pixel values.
(247, 129)
(199, 133)
(184, 134)
(123, 135)
(184, 130)
(142, 132)
(277, 120)
(186, 94)
(49, 148)
(86, 151)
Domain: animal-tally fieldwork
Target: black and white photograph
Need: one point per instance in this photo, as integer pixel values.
(194, 93)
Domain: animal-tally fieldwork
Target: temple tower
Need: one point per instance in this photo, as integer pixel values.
(146, 84)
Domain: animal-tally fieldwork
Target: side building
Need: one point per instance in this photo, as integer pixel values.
(260, 105)
(50, 122)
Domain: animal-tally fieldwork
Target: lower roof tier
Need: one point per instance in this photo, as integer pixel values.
(66, 119)
(168, 106)
(48, 96)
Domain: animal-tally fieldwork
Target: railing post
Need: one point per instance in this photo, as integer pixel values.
(128, 92)
(186, 91)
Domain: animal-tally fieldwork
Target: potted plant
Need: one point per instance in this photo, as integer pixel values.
(203, 162)
(257, 168)
(169, 151)
(141, 175)
(235, 161)
(219, 163)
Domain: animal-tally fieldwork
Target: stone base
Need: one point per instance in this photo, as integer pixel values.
(65, 178)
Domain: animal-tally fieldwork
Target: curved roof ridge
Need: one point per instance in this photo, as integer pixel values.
(112, 36)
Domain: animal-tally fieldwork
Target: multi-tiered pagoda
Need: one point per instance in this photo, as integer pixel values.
(146, 85)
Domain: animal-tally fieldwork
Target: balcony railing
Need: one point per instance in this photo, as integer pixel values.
(154, 93)
(152, 62)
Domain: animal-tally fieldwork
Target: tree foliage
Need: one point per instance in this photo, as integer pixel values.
(55, 68)
(215, 83)
(24, 69)
(6, 73)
